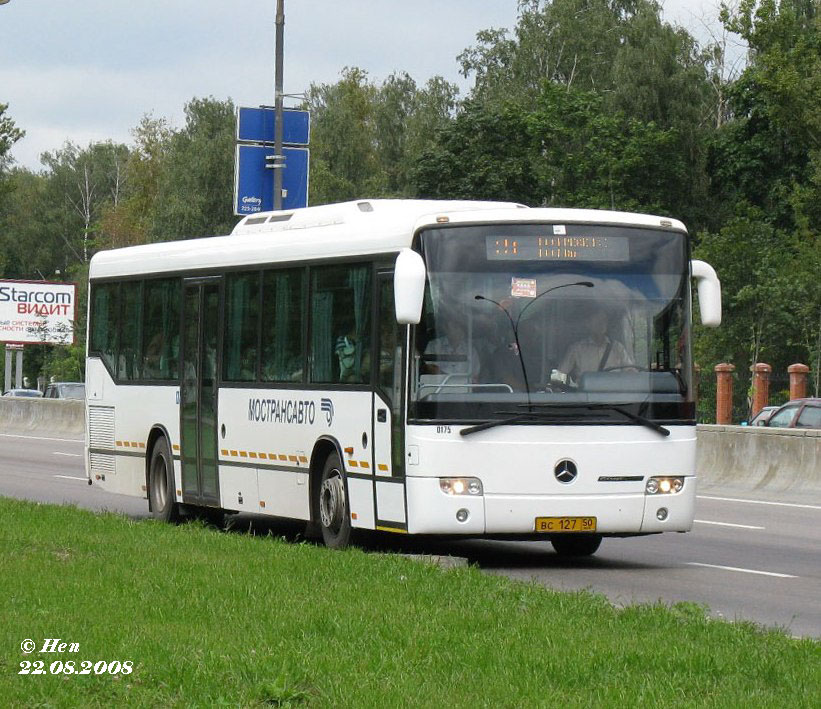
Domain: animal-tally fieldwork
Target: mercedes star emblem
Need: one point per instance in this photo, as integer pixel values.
(565, 471)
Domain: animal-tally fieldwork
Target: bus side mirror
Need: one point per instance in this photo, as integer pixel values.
(409, 287)
(709, 293)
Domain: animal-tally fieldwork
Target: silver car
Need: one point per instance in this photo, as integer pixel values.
(31, 393)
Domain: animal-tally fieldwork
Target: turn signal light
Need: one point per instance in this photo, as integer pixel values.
(664, 486)
(461, 486)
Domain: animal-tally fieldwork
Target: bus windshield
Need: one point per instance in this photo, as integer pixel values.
(573, 321)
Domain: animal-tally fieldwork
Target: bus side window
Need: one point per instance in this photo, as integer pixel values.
(340, 323)
(105, 316)
(283, 324)
(129, 361)
(161, 339)
(387, 375)
(241, 327)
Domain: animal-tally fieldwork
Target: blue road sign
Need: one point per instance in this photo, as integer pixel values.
(254, 182)
(256, 125)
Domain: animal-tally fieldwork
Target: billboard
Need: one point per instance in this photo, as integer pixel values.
(37, 312)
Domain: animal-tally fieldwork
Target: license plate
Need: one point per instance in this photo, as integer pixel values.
(556, 525)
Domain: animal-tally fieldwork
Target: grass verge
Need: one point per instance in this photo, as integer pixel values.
(211, 618)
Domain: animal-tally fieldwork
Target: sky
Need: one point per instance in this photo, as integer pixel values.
(89, 70)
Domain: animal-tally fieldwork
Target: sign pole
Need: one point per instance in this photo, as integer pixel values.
(278, 165)
(18, 375)
(7, 380)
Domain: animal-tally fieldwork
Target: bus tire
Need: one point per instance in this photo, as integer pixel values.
(576, 545)
(334, 510)
(161, 484)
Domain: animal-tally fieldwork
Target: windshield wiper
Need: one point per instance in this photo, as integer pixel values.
(644, 421)
(515, 418)
(557, 416)
(619, 408)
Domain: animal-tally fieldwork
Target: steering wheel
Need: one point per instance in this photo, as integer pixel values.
(557, 388)
(625, 366)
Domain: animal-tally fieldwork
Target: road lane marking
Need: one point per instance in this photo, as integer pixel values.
(744, 571)
(760, 502)
(70, 455)
(70, 477)
(45, 438)
(727, 524)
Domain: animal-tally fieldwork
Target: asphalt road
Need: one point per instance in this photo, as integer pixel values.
(747, 558)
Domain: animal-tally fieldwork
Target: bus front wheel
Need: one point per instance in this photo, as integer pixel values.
(334, 511)
(576, 545)
(161, 484)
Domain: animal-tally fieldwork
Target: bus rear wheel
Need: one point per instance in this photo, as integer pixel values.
(161, 484)
(576, 545)
(334, 511)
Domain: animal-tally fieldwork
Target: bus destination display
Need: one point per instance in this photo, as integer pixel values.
(557, 248)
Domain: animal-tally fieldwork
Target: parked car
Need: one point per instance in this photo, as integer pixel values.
(761, 418)
(34, 393)
(66, 390)
(798, 413)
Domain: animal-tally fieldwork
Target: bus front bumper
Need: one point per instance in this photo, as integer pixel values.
(430, 511)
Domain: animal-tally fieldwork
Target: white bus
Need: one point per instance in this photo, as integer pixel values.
(418, 367)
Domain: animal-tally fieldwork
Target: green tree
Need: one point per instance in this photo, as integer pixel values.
(365, 136)
(194, 172)
(567, 149)
(484, 153)
(621, 51)
(770, 155)
(81, 182)
(765, 171)
(9, 135)
(133, 219)
(30, 244)
(344, 161)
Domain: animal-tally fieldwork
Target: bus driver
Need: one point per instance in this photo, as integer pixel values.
(594, 353)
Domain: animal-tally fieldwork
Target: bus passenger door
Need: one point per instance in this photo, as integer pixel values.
(198, 392)
(388, 444)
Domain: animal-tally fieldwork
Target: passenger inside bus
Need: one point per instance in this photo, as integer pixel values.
(450, 352)
(354, 361)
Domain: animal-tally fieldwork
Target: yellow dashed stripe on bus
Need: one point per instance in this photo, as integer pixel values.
(230, 453)
(129, 444)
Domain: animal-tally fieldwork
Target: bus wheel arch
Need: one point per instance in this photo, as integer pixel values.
(160, 480)
(154, 435)
(330, 510)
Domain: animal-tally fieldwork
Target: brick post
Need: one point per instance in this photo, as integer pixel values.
(761, 386)
(724, 392)
(798, 380)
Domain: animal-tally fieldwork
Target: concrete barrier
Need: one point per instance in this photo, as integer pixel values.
(45, 417)
(775, 460)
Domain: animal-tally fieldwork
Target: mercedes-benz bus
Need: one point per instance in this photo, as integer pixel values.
(446, 368)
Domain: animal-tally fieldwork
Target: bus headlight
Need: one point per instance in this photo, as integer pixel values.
(664, 486)
(461, 486)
